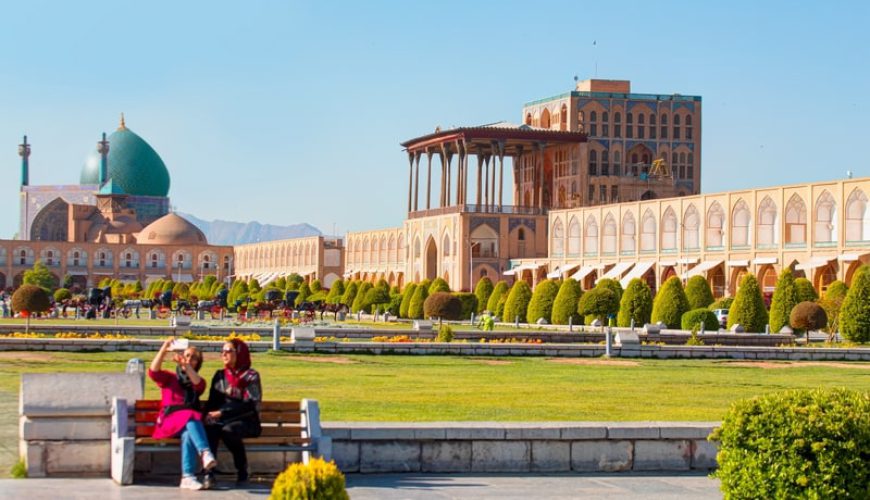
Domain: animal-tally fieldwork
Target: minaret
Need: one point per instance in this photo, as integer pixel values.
(103, 149)
(24, 152)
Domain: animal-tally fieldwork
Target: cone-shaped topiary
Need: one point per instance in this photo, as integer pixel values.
(855, 312)
(832, 302)
(805, 290)
(565, 305)
(469, 304)
(698, 292)
(483, 290)
(670, 303)
(438, 285)
(784, 300)
(636, 304)
(599, 302)
(748, 308)
(304, 293)
(315, 286)
(518, 302)
(611, 285)
(442, 305)
(335, 293)
(541, 305)
(501, 289)
(407, 295)
(415, 308)
(30, 298)
(349, 294)
(359, 302)
(694, 318)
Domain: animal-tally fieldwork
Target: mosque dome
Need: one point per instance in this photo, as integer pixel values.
(134, 166)
(171, 229)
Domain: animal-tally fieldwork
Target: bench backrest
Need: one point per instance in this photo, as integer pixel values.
(277, 418)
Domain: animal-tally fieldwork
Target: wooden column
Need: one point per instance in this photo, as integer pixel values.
(486, 180)
(410, 177)
(416, 180)
(479, 170)
(429, 179)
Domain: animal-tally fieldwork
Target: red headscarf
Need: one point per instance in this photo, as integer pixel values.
(236, 375)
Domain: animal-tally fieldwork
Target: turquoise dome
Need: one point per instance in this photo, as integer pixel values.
(134, 166)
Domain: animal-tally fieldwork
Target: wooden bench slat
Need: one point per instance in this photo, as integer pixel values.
(285, 431)
(280, 406)
(268, 417)
(147, 404)
(143, 417)
(278, 441)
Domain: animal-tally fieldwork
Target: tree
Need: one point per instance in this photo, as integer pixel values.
(784, 300)
(407, 295)
(62, 294)
(748, 308)
(600, 302)
(611, 285)
(359, 302)
(565, 305)
(415, 308)
(518, 302)
(349, 294)
(254, 286)
(698, 292)
(500, 290)
(670, 303)
(439, 285)
(442, 305)
(483, 290)
(294, 281)
(40, 276)
(378, 295)
(30, 299)
(315, 286)
(280, 283)
(543, 297)
(855, 312)
(636, 304)
(335, 293)
(808, 316)
(832, 302)
(304, 293)
(805, 290)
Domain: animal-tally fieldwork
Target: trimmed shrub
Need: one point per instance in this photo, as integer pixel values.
(636, 304)
(349, 294)
(407, 295)
(376, 297)
(359, 302)
(784, 300)
(541, 305)
(304, 293)
(796, 444)
(698, 292)
(612, 285)
(469, 304)
(445, 333)
(415, 308)
(483, 290)
(600, 302)
(748, 307)
(30, 298)
(62, 294)
(518, 302)
(394, 305)
(500, 290)
(438, 285)
(335, 293)
(40, 276)
(443, 305)
(670, 303)
(832, 302)
(315, 286)
(805, 290)
(692, 319)
(808, 316)
(317, 480)
(565, 305)
(855, 312)
(723, 303)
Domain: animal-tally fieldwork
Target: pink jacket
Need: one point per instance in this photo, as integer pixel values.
(171, 393)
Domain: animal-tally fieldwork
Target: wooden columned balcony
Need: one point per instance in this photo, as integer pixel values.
(478, 209)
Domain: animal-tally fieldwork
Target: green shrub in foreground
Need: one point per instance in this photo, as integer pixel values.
(541, 305)
(483, 290)
(796, 444)
(565, 305)
(636, 304)
(445, 333)
(748, 308)
(806, 292)
(317, 480)
(501, 289)
(442, 305)
(670, 303)
(784, 299)
(855, 311)
(468, 301)
(692, 319)
(698, 292)
(415, 307)
(407, 295)
(600, 302)
(518, 302)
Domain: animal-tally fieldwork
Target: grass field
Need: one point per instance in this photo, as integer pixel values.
(439, 388)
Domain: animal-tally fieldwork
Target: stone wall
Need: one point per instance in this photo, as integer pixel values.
(522, 447)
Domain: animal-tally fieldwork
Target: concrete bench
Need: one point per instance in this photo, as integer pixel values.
(292, 426)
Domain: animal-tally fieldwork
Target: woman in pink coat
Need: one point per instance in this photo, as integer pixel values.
(179, 415)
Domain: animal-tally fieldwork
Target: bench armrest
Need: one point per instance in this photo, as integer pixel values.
(122, 446)
(312, 430)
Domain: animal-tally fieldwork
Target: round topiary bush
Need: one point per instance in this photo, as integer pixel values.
(62, 294)
(808, 316)
(599, 303)
(855, 311)
(438, 285)
(612, 285)
(565, 305)
(468, 303)
(541, 305)
(784, 300)
(500, 290)
(670, 303)
(518, 302)
(698, 292)
(317, 480)
(483, 290)
(693, 319)
(796, 444)
(442, 305)
(748, 307)
(30, 298)
(636, 304)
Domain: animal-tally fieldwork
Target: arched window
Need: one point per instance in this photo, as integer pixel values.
(617, 124)
(417, 248)
(445, 251)
(608, 233)
(628, 233)
(558, 240)
(669, 231)
(857, 218)
(590, 243)
(545, 118)
(574, 237)
(521, 234)
(605, 163)
(617, 163)
(593, 162)
(715, 225)
(691, 223)
(768, 218)
(563, 118)
(826, 219)
(648, 232)
(676, 127)
(528, 118)
(795, 221)
(740, 221)
(629, 125)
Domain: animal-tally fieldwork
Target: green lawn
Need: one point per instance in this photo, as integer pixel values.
(438, 388)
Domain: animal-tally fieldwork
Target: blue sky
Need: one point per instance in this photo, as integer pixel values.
(288, 112)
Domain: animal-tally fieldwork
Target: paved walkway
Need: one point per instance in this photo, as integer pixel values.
(401, 486)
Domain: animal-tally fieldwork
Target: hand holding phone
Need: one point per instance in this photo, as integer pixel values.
(179, 344)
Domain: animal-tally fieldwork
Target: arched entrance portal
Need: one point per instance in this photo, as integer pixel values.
(825, 275)
(716, 278)
(430, 269)
(767, 280)
(668, 273)
(736, 276)
(589, 280)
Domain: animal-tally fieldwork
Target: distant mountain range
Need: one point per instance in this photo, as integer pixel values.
(220, 232)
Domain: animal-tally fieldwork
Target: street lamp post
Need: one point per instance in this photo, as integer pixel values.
(471, 245)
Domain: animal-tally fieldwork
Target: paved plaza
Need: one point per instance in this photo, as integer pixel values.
(401, 486)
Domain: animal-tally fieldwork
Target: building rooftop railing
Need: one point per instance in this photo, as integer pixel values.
(478, 209)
